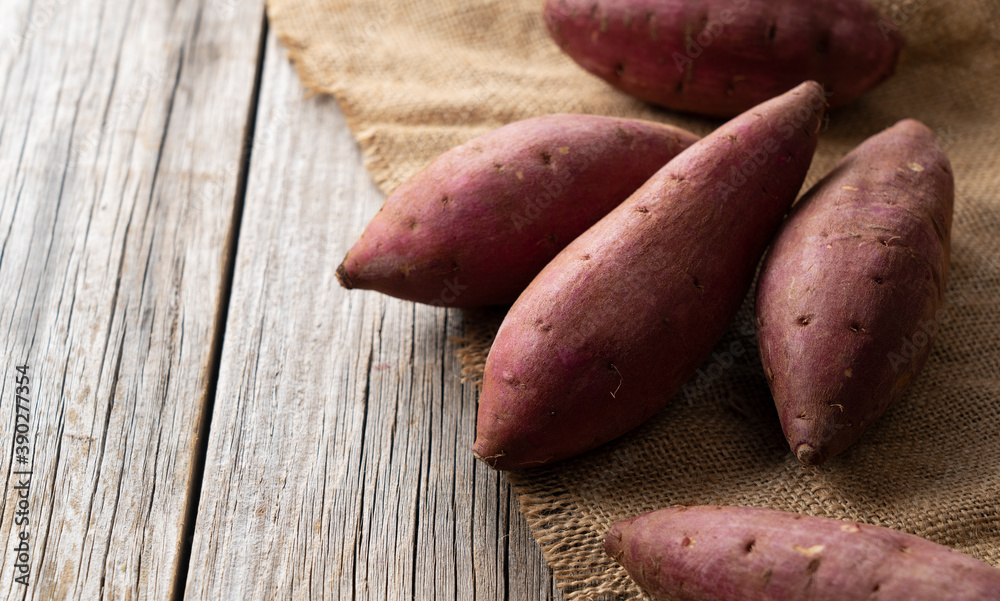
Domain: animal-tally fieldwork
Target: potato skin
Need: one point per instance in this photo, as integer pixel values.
(476, 225)
(713, 553)
(721, 57)
(850, 292)
(610, 329)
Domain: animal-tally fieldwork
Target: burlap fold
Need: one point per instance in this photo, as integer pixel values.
(418, 77)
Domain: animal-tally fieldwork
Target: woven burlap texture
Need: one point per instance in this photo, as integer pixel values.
(416, 78)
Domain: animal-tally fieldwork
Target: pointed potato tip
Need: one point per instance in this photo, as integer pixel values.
(811, 85)
(812, 88)
(913, 128)
(344, 278)
(807, 455)
(486, 455)
(812, 96)
(613, 541)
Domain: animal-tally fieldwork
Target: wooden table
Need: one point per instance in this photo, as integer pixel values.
(206, 413)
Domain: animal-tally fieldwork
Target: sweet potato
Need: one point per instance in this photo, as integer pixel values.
(610, 329)
(750, 554)
(849, 294)
(721, 57)
(475, 226)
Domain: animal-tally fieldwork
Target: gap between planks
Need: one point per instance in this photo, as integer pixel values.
(219, 334)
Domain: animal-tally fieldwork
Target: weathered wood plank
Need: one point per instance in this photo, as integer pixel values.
(338, 464)
(121, 127)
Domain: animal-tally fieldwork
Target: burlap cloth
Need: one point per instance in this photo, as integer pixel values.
(416, 77)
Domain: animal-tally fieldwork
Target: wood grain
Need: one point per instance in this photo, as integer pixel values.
(339, 463)
(121, 127)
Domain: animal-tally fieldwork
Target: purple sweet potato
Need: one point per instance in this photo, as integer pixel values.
(721, 57)
(849, 294)
(475, 226)
(611, 328)
(750, 554)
